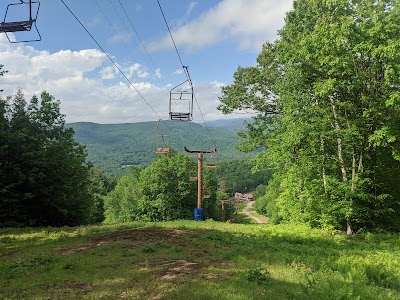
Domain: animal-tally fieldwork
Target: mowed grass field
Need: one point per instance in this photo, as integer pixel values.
(197, 260)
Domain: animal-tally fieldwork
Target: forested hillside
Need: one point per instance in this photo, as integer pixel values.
(112, 147)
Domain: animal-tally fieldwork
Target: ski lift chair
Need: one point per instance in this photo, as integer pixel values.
(22, 25)
(212, 164)
(163, 150)
(161, 141)
(182, 97)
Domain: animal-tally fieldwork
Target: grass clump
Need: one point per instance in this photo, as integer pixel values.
(258, 275)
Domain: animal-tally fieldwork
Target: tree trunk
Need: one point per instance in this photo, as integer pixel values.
(339, 145)
(342, 163)
(323, 166)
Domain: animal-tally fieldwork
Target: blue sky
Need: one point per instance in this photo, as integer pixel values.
(213, 39)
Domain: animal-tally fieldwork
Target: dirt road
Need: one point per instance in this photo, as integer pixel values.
(247, 213)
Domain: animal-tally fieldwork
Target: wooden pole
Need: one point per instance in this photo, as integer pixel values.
(199, 179)
(199, 172)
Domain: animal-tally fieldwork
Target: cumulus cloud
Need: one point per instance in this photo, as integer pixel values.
(90, 88)
(135, 70)
(249, 22)
(120, 37)
(157, 74)
(77, 79)
(178, 72)
(108, 73)
(94, 22)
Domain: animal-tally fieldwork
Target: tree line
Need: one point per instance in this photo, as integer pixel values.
(327, 93)
(46, 180)
(44, 177)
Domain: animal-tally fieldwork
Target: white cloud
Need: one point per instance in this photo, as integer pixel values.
(183, 20)
(178, 72)
(94, 22)
(87, 86)
(139, 7)
(135, 70)
(157, 74)
(108, 73)
(250, 22)
(190, 8)
(76, 78)
(120, 37)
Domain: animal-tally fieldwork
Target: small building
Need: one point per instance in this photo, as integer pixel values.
(244, 197)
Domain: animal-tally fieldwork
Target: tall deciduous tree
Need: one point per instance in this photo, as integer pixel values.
(168, 193)
(163, 191)
(121, 204)
(327, 93)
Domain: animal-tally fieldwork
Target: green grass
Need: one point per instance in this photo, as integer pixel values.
(197, 260)
(254, 213)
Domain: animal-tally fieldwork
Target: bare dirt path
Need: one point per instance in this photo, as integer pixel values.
(247, 213)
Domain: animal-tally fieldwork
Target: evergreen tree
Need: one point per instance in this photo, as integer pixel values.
(44, 177)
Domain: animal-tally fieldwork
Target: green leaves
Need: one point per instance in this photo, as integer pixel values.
(162, 191)
(332, 78)
(42, 168)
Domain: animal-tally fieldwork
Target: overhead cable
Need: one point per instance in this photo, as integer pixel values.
(187, 73)
(119, 69)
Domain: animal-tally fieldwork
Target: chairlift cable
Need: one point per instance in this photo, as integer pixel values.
(170, 34)
(115, 30)
(119, 69)
(186, 71)
(141, 42)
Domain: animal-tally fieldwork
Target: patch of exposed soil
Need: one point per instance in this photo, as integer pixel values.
(77, 285)
(222, 275)
(136, 238)
(173, 268)
(81, 248)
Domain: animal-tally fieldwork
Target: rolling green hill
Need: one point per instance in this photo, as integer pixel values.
(112, 147)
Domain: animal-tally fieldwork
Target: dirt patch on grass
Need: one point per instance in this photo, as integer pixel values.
(145, 234)
(172, 268)
(77, 285)
(135, 238)
(179, 268)
(81, 248)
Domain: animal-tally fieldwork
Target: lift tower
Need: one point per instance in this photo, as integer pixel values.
(199, 172)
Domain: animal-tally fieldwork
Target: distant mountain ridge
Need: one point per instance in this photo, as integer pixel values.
(231, 124)
(114, 146)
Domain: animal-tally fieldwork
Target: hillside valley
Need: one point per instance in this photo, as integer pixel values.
(113, 147)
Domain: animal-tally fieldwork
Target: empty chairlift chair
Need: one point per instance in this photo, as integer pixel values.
(181, 100)
(161, 141)
(212, 164)
(24, 25)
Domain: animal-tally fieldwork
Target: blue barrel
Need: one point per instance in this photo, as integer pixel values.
(199, 214)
